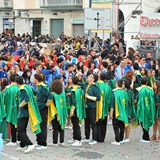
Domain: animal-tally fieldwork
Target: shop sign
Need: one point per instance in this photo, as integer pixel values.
(150, 26)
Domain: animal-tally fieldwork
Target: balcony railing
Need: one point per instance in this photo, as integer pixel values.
(47, 3)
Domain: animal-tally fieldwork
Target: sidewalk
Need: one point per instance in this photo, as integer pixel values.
(104, 151)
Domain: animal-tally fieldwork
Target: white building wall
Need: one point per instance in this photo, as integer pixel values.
(148, 6)
(1, 25)
(23, 26)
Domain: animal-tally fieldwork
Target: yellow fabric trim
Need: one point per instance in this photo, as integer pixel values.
(100, 81)
(99, 109)
(139, 88)
(23, 103)
(116, 89)
(48, 102)
(72, 109)
(126, 124)
(39, 84)
(52, 111)
(75, 87)
(92, 98)
(116, 110)
(33, 119)
(134, 124)
(137, 72)
(21, 86)
(111, 112)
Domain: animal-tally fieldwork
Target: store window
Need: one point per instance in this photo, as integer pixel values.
(8, 26)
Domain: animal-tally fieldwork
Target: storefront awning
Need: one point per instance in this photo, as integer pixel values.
(31, 18)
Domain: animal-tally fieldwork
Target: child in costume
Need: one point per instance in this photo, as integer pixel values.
(145, 108)
(3, 122)
(156, 125)
(60, 118)
(68, 91)
(118, 112)
(77, 112)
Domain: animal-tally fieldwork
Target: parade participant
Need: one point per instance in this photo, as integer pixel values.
(59, 121)
(26, 76)
(118, 112)
(77, 112)
(130, 110)
(137, 74)
(145, 108)
(143, 72)
(156, 125)
(102, 107)
(28, 109)
(110, 79)
(11, 103)
(92, 94)
(44, 97)
(68, 91)
(150, 78)
(3, 122)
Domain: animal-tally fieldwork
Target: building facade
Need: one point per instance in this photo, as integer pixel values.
(56, 16)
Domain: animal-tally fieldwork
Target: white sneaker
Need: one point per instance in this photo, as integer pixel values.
(92, 142)
(71, 141)
(36, 145)
(41, 147)
(29, 148)
(62, 144)
(116, 143)
(143, 141)
(12, 144)
(70, 127)
(77, 143)
(121, 142)
(18, 142)
(21, 149)
(109, 122)
(66, 127)
(126, 140)
(50, 127)
(52, 144)
(85, 140)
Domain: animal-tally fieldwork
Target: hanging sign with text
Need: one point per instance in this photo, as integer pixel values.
(150, 26)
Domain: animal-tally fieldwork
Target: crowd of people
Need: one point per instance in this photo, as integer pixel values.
(66, 84)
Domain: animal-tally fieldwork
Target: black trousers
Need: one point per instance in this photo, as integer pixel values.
(13, 133)
(22, 125)
(91, 121)
(57, 128)
(118, 127)
(145, 135)
(101, 129)
(42, 137)
(76, 128)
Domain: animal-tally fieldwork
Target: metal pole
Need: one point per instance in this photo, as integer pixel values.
(89, 31)
(103, 38)
(117, 18)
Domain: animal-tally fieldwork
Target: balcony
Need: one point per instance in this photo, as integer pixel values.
(6, 4)
(61, 4)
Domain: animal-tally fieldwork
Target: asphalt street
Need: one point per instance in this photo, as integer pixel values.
(104, 151)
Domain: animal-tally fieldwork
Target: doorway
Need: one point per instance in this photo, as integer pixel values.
(36, 28)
